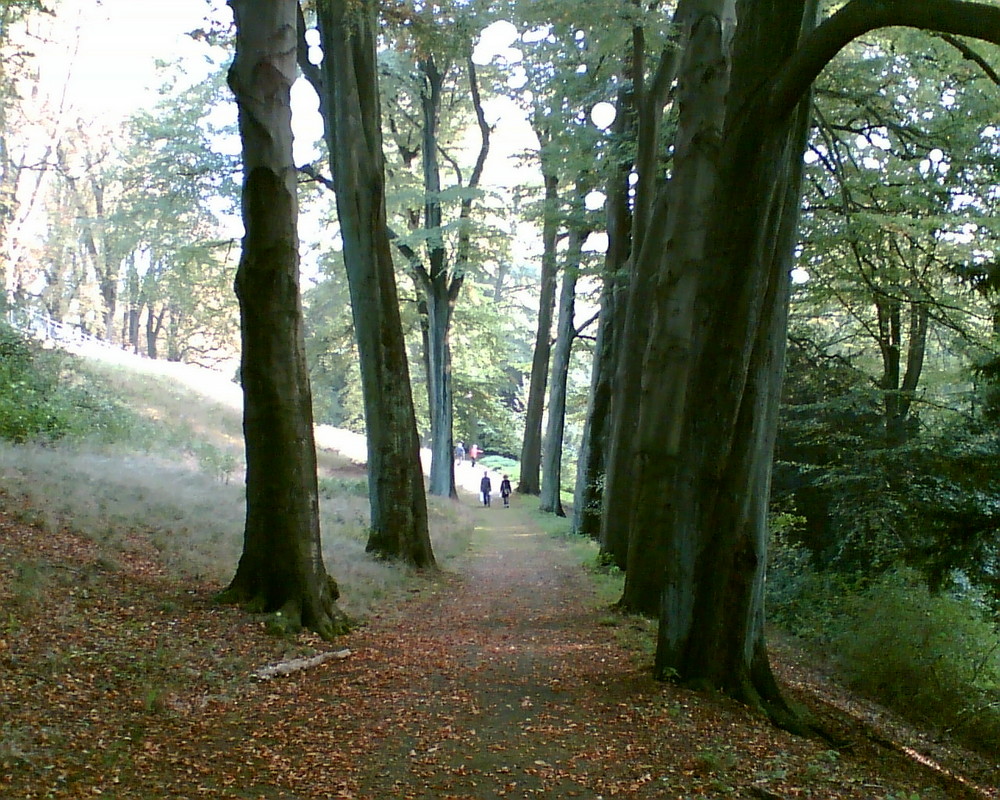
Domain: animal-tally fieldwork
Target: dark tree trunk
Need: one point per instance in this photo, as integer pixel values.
(349, 102)
(531, 445)
(631, 324)
(281, 569)
(154, 326)
(712, 371)
(713, 366)
(590, 477)
(898, 385)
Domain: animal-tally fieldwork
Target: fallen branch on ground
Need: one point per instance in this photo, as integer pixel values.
(297, 664)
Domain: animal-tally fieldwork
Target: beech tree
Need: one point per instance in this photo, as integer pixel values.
(347, 84)
(722, 237)
(628, 283)
(437, 264)
(281, 569)
(566, 333)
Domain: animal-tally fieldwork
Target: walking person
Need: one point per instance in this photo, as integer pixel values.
(459, 453)
(505, 491)
(485, 487)
(474, 453)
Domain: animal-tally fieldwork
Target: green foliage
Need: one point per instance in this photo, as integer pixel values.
(506, 466)
(933, 657)
(864, 507)
(44, 397)
(339, 487)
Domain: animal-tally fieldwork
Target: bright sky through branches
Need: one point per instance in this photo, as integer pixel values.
(110, 49)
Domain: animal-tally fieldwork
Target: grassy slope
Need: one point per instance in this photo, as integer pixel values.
(178, 480)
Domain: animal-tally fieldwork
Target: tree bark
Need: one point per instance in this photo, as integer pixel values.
(632, 331)
(721, 321)
(711, 371)
(588, 499)
(347, 85)
(281, 569)
(531, 445)
(549, 498)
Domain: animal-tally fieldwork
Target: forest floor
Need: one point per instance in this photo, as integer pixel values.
(506, 676)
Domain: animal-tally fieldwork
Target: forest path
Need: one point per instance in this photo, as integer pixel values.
(495, 680)
(505, 676)
(509, 678)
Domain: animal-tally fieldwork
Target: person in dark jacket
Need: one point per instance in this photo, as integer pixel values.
(505, 491)
(485, 487)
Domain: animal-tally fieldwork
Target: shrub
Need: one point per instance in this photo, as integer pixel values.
(44, 396)
(934, 658)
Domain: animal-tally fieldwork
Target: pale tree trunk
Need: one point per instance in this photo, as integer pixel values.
(434, 284)
(347, 85)
(281, 569)
(531, 444)
(549, 499)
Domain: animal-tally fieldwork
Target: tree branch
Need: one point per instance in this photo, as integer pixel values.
(465, 210)
(411, 256)
(310, 170)
(309, 70)
(858, 17)
(971, 55)
(583, 326)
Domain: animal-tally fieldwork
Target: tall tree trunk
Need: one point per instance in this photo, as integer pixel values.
(531, 445)
(632, 329)
(550, 500)
(704, 84)
(434, 283)
(715, 362)
(588, 498)
(281, 569)
(349, 102)
(719, 328)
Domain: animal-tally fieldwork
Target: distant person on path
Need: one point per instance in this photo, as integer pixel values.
(474, 453)
(505, 491)
(460, 453)
(485, 487)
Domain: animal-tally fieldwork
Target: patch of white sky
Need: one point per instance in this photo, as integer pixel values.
(109, 49)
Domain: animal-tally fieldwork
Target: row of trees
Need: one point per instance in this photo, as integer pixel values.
(116, 227)
(693, 416)
(701, 174)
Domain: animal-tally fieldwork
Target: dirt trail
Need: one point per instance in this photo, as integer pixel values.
(502, 678)
(508, 679)
(516, 649)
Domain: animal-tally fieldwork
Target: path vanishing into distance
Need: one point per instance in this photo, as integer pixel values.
(504, 676)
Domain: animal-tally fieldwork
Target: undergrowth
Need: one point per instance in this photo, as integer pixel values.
(934, 658)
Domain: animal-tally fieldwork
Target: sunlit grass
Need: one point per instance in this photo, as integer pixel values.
(177, 484)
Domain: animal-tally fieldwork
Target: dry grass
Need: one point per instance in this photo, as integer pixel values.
(179, 485)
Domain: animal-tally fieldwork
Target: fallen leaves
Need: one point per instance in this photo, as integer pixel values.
(121, 682)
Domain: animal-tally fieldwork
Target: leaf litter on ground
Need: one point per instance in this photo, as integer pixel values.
(500, 678)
